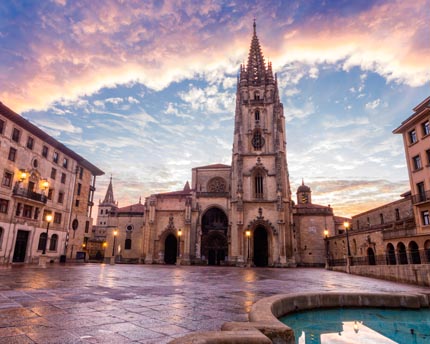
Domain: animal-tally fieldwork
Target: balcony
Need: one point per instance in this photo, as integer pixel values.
(421, 197)
(27, 194)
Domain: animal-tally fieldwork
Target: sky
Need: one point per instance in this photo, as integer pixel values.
(145, 90)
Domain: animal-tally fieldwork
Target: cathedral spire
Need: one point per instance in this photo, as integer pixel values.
(256, 68)
(109, 199)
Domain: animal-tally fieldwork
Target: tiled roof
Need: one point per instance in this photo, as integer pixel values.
(134, 208)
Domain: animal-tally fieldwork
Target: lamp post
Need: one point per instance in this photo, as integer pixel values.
(178, 262)
(326, 247)
(115, 233)
(346, 225)
(48, 219)
(248, 236)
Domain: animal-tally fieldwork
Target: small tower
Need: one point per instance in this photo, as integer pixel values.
(304, 194)
(106, 207)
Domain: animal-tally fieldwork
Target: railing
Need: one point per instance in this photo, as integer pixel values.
(421, 197)
(399, 258)
(25, 193)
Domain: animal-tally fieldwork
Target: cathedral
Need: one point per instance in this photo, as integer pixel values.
(241, 215)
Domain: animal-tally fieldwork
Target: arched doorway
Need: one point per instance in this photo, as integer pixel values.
(214, 236)
(401, 251)
(391, 255)
(371, 256)
(261, 247)
(427, 250)
(170, 249)
(415, 253)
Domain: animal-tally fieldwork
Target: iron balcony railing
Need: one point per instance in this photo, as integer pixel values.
(25, 193)
(421, 197)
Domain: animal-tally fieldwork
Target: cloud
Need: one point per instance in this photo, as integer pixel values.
(373, 104)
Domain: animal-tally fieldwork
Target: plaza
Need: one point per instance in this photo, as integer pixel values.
(97, 303)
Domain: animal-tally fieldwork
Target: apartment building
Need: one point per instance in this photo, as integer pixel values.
(46, 194)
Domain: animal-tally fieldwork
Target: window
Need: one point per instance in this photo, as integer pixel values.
(129, 228)
(57, 218)
(36, 213)
(55, 157)
(53, 173)
(53, 242)
(87, 226)
(412, 136)
(425, 217)
(30, 142)
(4, 205)
(2, 126)
(65, 162)
(421, 192)
(258, 186)
(426, 128)
(42, 242)
(50, 192)
(257, 115)
(7, 179)
(60, 197)
(18, 209)
(63, 178)
(78, 191)
(127, 245)
(45, 151)
(416, 162)
(12, 154)
(77, 203)
(381, 217)
(256, 96)
(1, 236)
(16, 134)
(397, 214)
(257, 140)
(81, 172)
(28, 211)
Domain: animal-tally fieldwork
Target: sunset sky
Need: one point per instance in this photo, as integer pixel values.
(145, 90)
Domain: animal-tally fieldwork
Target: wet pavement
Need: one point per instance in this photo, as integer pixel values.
(147, 303)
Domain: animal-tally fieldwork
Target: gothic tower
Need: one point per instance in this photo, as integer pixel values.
(261, 214)
(106, 207)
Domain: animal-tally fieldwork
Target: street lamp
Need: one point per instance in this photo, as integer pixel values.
(48, 219)
(248, 235)
(115, 233)
(326, 242)
(179, 242)
(346, 225)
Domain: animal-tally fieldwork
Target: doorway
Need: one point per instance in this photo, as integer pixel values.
(170, 249)
(261, 247)
(20, 247)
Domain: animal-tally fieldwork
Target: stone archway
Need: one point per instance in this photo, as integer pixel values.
(260, 247)
(371, 256)
(170, 249)
(214, 248)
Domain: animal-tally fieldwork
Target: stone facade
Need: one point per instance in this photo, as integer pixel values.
(241, 214)
(41, 176)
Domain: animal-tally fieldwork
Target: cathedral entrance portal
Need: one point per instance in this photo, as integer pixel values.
(214, 236)
(261, 247)
(170, 249)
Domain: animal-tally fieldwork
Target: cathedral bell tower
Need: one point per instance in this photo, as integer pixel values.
(260, 190)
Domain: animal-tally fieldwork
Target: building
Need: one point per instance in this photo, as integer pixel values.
(40, 177)
(241, 214)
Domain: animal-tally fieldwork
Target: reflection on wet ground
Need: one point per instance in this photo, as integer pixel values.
(144, 303)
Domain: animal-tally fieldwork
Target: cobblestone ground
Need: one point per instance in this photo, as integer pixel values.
(147, 304)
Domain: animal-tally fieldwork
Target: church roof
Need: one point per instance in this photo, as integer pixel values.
(134, 208)
(213, 166)
(303, 188)
(185, 192)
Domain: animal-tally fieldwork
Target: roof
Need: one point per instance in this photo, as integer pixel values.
(22, 122)
(303, 188)
(213, 166)
(419, 109)
(134, 208)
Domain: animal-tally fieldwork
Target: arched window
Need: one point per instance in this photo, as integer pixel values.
(257, 140)
(1, 236)
(53, 242)
(42, 242)
(258, 185)
(127, 245)
(401, 251)
(256, 95)
(391, 255)
(415, 253)
(257, 115)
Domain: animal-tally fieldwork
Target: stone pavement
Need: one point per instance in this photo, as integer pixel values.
(147, 303)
